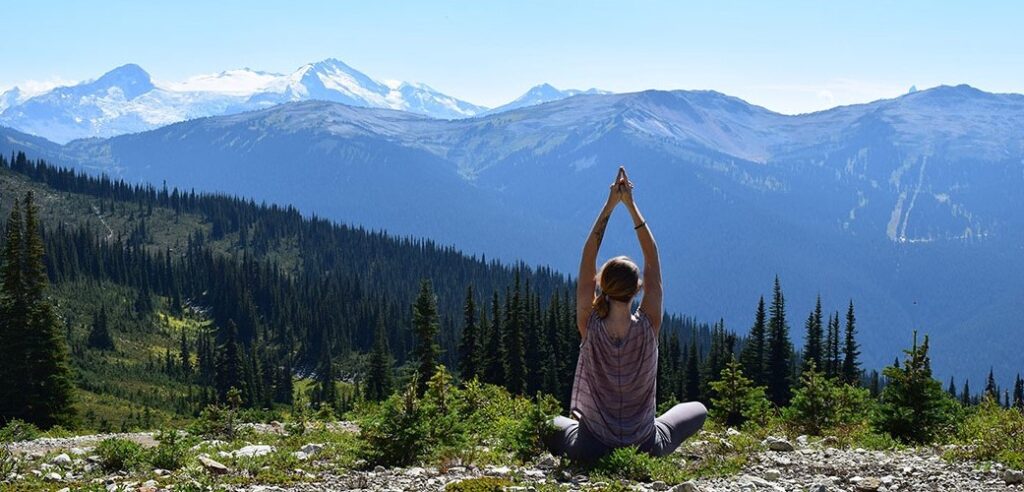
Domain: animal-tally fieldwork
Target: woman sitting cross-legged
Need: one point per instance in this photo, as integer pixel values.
(613, 402)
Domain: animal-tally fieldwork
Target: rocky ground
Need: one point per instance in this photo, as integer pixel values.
(779, 465)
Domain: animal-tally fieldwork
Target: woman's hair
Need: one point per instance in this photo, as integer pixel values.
(618, 279)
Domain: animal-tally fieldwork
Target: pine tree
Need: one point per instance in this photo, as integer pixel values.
(914, 407)
(425, 328)
(185, 356)
(50, 384)
(753, 354)
(229, 367)
(326, 394)
(875, 386)
(378, 379)
(1018, 393)
(851, 350)
(691, 378)
(813, 350)
(965, 395)
(736, 398)
(515, 360)
(13, 323)
(778, 351)
(99, 334)
(494, 365)
(284, 388)
(991, 390)
(833, 365)
(469, 349)
(951, 389)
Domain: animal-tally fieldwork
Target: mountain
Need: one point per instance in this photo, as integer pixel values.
(541, 94)
(909, 206)
(126, 100)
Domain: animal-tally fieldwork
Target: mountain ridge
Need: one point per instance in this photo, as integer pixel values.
(858, 202)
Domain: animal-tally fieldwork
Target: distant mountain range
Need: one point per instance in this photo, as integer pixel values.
(126, 100)
(912, 207)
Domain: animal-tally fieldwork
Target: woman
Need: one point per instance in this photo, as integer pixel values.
(613, 393)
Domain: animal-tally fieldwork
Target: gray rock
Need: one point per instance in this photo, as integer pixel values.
(213, 466)
(777, 444)
(312, 449)
(689, 486)
(772, 474)
(867, 484)
(62, 460)
(547, 462)
(253, 451)
(53, 477)
(1012, 477)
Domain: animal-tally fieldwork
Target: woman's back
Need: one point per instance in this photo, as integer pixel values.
(614, 390)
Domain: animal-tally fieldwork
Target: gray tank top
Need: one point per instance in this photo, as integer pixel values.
(613, 394)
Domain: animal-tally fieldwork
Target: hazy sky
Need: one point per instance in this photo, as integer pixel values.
(796, 57)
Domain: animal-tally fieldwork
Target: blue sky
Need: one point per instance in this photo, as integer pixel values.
(788, 56)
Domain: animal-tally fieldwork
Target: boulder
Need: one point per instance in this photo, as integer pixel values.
(62, 460)
(777, 444)
(213, 466)
(253, 451)
(689, 486)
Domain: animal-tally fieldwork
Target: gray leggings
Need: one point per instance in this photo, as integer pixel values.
(572, 440)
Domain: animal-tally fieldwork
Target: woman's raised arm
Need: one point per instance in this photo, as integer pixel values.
(652, 301)
(586, 283)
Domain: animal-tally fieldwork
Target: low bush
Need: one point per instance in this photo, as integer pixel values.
(480, 484)
(478, 423)
(992, 433)
(118, 454)
(171, 453)
(630, 464)
(18, 430)
(821, 405)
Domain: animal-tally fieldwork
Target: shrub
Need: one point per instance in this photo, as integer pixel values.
(737, 400)
(629, 464)
(480, 484)
(820, 404)
(118, 454)
(8, 464)
(991, 432)
(448, 423)
(18, 430)
(171, 453)
(394, 431)
(216, 422)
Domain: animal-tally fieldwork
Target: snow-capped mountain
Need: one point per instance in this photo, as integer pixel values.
(541, 94)
(127, 100)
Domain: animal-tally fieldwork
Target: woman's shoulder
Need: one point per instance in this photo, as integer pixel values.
(641, 318)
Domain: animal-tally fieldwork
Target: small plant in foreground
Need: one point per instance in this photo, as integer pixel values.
(480, 484)
(118, 454)
(171, 453)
